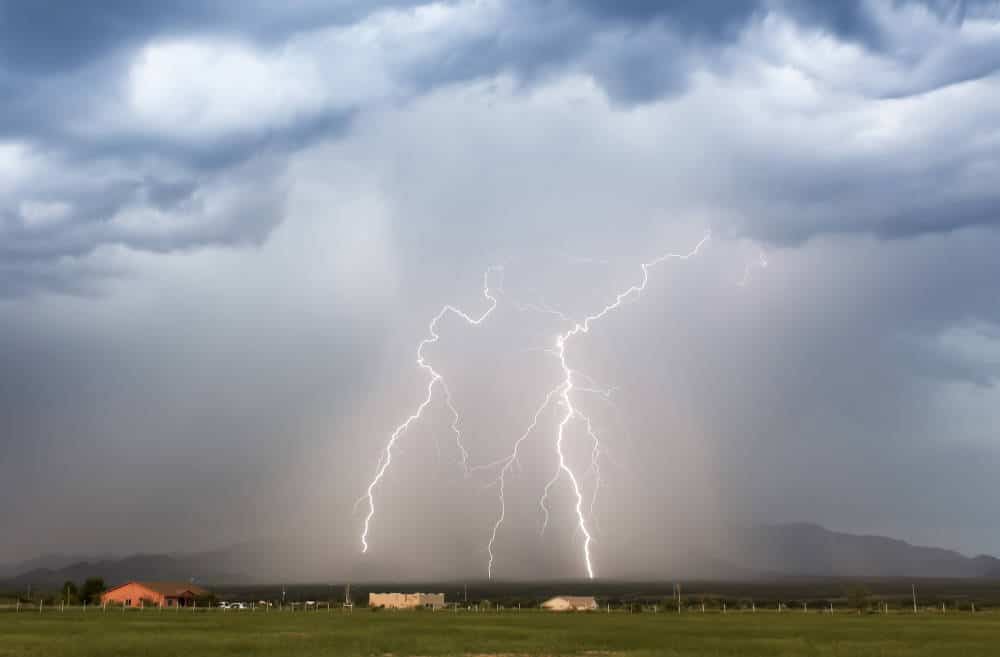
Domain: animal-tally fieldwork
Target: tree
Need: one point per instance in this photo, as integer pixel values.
(92, 589)
(858, 597)
(69, 592)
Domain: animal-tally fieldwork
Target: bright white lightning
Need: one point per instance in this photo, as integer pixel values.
(761, 262)
(566, 390)
(435, 378)
(595, 461)
(595, 468)
(543, 500)
(507, 462)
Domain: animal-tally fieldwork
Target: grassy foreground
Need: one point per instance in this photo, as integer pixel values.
(208, 633)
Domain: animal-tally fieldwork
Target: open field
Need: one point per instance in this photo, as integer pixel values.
(207, 633)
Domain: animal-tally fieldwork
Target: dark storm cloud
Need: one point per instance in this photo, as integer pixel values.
(50, 37)
(223, 227)
(61, 64)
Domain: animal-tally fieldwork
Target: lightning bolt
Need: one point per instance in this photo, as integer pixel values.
(385, 460)
(507, 463)
(761, 262)
(595, 462)
(563, 391)
(567, 387)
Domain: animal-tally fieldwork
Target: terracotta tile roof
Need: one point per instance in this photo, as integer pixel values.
(170, 589)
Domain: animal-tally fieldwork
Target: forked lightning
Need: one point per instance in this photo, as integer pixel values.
(435, 379)
(563, 391)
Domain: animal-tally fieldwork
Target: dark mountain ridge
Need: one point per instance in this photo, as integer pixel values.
(770, 551)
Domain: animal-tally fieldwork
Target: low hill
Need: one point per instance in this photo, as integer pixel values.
(811, 550)
(116, 571)
(787, 550)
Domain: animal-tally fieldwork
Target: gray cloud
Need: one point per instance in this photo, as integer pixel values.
(80, 95)
(222, 234)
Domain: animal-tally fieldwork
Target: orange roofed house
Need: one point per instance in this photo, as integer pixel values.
(154, 594)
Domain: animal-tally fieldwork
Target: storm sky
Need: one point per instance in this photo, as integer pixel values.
(225, 226)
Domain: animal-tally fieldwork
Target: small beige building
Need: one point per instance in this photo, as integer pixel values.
(570, 603)
(406, 600)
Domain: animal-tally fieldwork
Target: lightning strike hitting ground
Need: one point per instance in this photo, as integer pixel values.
(566, 391)
(595, 462)
(507, 463)
(435, 378)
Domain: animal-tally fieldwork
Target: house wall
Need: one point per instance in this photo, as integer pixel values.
(130, 595)
(405, 600)
(569, 604)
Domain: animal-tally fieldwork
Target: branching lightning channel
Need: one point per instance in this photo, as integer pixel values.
(761, 263)
(385, 459)
(563, 392)
(507, 462)
(567, 386)
(595, 461)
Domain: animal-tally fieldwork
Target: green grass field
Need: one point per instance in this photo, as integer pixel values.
(208, 633)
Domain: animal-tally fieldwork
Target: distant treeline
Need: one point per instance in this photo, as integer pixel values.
(792, 593)
(89, 591)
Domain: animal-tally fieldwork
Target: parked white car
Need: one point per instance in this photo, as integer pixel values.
(238, 605)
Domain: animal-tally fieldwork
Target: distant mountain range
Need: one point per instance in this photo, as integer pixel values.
(810, 550)
(797, 549)
(114, 571)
